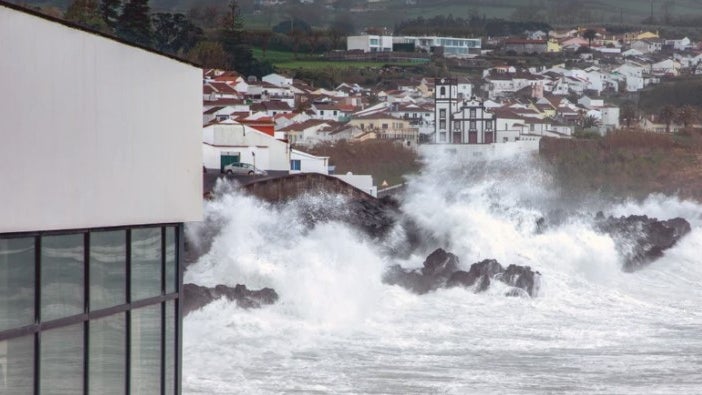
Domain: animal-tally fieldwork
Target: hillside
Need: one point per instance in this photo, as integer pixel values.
(627, 164)
(383, 159)
(387, 13)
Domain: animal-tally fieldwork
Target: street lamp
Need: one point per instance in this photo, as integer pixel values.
(254, 162)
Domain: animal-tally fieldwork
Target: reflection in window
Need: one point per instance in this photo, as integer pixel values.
(16, 283)
(107, 355)
(108, 257)
(17, 366)
(171, 263)
(61, 276)
(146, 263)
(61, 371)
(146, 350)
(170, 351)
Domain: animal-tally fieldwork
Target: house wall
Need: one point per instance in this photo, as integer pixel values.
(271, 154)
(310, 163)
(100, 124)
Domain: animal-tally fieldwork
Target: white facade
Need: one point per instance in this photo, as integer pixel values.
(278, 80)
(250, 145)
(445, 104)
(84, 141)
(369, 43)
(302, 162)
(452, 46)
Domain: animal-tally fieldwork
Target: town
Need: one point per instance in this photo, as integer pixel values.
(593, 92)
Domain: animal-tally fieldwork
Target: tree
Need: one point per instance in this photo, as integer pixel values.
(209, 54)
(174, 33)
(590, 35)
(110, 11)
(687, 115)
(667, 116)
(86, 13)
(628, 113)
(134, 24)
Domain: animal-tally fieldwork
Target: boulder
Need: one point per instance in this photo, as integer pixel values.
(640, 239)
(521, 277)
(196, 296)
(440, 269)
(486, 268)
(437, 268)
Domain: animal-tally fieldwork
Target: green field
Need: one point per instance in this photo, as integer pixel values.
(287, 61)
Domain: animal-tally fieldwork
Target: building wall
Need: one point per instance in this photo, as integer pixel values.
(271, 154)
(310, 163)
(97, 132)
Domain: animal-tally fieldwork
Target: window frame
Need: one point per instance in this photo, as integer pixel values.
(86, 316)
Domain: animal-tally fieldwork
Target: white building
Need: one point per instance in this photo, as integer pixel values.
(461, 121)
(369, 43)
(98, 178)
(231, 142)
(278, 80)
(302, 162)
(451, 46)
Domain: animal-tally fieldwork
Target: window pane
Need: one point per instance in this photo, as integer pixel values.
(170, 351)
(146, 263)
(107, 355)
(108, 257)
(61, 276)
(146, 350)
(17, 366)
(61, 364)
(171, 263)
(16, 283)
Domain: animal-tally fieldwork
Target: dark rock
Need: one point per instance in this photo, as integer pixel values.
(487, 267)
(196, 296)
(640, 239)
(440, 263)
(437, 268)
(441, 270)
(521, 277)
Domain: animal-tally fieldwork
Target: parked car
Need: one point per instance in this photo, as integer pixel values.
(243, 168)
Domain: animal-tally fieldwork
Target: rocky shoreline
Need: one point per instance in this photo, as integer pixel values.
(640, 241)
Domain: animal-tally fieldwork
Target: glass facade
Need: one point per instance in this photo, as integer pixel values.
(92, 311)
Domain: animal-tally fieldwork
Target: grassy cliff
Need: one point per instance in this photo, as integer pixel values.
(384, 160)
(627, 164)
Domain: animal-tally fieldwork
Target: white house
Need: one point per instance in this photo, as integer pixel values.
(667, 67)
(303, 162)
(229, 141)
(277, 80)
(632, 75)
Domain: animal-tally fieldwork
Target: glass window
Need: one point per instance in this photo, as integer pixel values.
(61, 276)
(17, 366)
(16, 283)
(146, 263)
(61, 364)
(108, 261)
(146, 350)
(171, 262)
(171, 347)
(295, 164)
(107, 355)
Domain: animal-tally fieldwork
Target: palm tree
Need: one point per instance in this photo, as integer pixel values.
(667, 115)
(590, 35)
